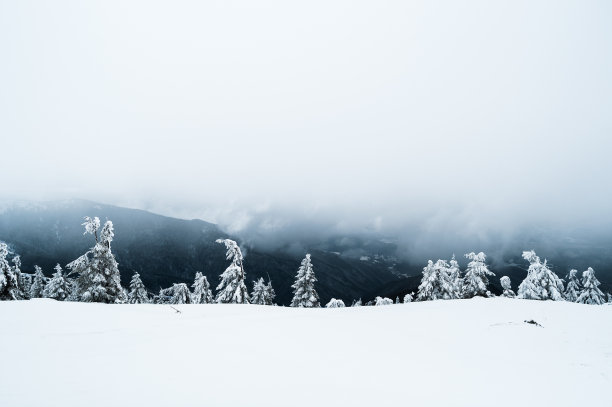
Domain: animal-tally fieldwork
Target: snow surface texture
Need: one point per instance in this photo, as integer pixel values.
(476, 352)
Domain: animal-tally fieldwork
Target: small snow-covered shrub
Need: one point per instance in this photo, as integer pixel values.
(334, 303)
(383, 301)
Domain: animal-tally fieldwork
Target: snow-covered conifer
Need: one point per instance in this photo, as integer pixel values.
(454, 274)
(408, 298)
(436, 283)
(201, 290)
(9, 286)
(383, 301)
(165, 296)
(138, 293)
(334, 303)
(590, 294)
(57, 287)
(263, 294)
(270, 293)
(258, 295)
(572, 291)
(23, 291)
(475, 281)
(36, 291)
(357, 303)
(304, 293)
(180, 294)
(232, 288)
(73, 294)
(98, 278)
(541, 283)
(507, 287)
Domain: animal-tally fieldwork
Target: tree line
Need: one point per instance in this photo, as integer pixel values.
(94, 277)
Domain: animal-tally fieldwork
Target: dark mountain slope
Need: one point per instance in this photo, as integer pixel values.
(166, 250)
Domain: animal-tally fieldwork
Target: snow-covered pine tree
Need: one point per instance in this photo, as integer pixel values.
(138, 293)
(507, 287)
(165, 296)
(383, 301)
(408, 298)
(180, 294)
(541, 283)
(36, 291)
(590, 294)
(304, 293)
(454, 273)
(334, 303)
(572, 291)
(270, 293)
(357, 303)
(263, 294)
(22, 282)
(57, 287)
(436, 283)
(98, 278)
(72, 290)
(475, 281)
(201, 290)
(232, 288)
(9, 286)
(258, 295)
(397, 300)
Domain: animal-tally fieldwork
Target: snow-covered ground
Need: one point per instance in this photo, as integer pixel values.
(475, 352)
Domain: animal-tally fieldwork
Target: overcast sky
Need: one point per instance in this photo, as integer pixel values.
(368, 114)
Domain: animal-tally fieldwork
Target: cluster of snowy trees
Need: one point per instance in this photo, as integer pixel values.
(444, 280)
(94, 277)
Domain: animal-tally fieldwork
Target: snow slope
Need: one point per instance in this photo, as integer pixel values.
(475, 352)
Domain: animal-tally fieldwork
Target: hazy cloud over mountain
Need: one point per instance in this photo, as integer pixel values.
(458, 122)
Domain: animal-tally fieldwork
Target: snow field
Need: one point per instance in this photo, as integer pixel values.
(476, 352)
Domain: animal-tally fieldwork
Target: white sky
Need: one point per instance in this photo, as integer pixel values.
(380, 111)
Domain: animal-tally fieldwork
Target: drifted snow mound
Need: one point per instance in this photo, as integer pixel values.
(477, 352)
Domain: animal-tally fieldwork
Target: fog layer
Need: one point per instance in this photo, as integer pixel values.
(443, 122)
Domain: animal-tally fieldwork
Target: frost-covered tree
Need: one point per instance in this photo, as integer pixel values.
(180, 294)
(572, 291)
(23, 288)
(9, 286)
(541, 283)
(304, 293)
(590, 294)
(334, 303)
(357, 303)
(408, 298)
(97, 271)
(232, 288)
(57, 287)
(454, 274)
(138, 293)
(270, 293)
(36, 291)
(383, 301)
(73, 294)
(475, 281)
(263, 294)
(436, 283)
(507, 287)
(165, 296)
(201, 290)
